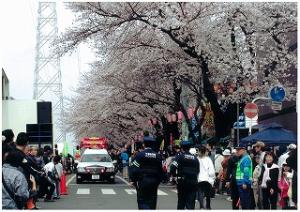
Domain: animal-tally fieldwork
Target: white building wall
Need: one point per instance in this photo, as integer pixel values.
(17, 113)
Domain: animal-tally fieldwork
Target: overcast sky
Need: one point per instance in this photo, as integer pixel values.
(18, 20)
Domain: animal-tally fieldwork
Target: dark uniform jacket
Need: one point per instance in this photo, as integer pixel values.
(147, 165)
(186, 168)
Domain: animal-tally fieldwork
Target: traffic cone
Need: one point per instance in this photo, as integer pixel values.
(30, 204)
(63, 186)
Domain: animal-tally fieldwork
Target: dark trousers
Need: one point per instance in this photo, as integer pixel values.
(46, 187)
(269, 201)
(186, 195)
(234, 193)
(204, 190)
(245, 197)
(147, 195)
(217, 184)
(286, 203)
(234, 204)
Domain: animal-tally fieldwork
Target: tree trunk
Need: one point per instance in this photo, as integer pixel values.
(223, 121)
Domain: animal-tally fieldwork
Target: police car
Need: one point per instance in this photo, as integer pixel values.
(95, 165)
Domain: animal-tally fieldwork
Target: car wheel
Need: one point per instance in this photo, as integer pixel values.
(78, 181)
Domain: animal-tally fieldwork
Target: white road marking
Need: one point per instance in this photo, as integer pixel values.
(174, 190)
(130, 191)
(160, 192)
(70, 179)
(122, 179)
(83, 191)
(107, 191)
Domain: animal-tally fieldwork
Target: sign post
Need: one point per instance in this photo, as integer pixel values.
(277, 94)
(251, 110)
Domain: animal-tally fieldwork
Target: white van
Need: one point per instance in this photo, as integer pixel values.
(95, 165)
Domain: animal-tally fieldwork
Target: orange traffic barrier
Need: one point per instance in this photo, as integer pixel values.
(63, 186)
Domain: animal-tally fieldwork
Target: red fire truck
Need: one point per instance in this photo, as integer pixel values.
(89, 143)
(94, 143)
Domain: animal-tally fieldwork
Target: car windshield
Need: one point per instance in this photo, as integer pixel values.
(96, 158)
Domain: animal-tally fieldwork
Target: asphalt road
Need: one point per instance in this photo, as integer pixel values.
(117, 196)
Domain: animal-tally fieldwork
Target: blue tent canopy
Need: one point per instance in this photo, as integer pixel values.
(272, 134)
(148, 138)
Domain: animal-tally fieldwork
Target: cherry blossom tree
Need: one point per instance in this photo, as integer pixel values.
(249, 45)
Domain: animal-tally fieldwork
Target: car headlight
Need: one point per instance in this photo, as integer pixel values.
(112, 169)
(80, 169)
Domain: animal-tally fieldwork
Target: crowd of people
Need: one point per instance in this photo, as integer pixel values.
(29, 173)
(253, 177)
(256, 177)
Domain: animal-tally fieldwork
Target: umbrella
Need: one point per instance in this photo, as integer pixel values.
(272, 134)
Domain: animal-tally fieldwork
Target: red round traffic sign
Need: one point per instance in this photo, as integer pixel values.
(251, 110)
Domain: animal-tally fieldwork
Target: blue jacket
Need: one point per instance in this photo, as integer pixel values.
(245, 170)
(124, 157)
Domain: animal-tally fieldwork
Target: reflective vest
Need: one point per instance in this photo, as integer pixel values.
(239, 173)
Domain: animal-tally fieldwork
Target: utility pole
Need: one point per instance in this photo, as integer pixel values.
(237, 117)
(47, 73)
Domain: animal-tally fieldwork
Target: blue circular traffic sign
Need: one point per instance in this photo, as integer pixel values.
(277, 94)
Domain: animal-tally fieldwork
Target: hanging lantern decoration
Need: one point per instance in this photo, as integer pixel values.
(216, 87)
(208, 124)
(140, 137)
(180, 116)
(190, 112)
(174, 118)
(253, 85)
(220, 90)
(169, 117)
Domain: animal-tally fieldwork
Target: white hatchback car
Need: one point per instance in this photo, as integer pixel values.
(95, 165)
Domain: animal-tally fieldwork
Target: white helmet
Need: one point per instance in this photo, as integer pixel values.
(193, 151)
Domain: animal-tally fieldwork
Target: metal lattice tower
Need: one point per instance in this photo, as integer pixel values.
(47, 74)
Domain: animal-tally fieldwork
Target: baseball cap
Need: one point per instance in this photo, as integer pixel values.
(185, 143)
(241, 146)
(259, 143)
(226, 152)
(292, 146)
